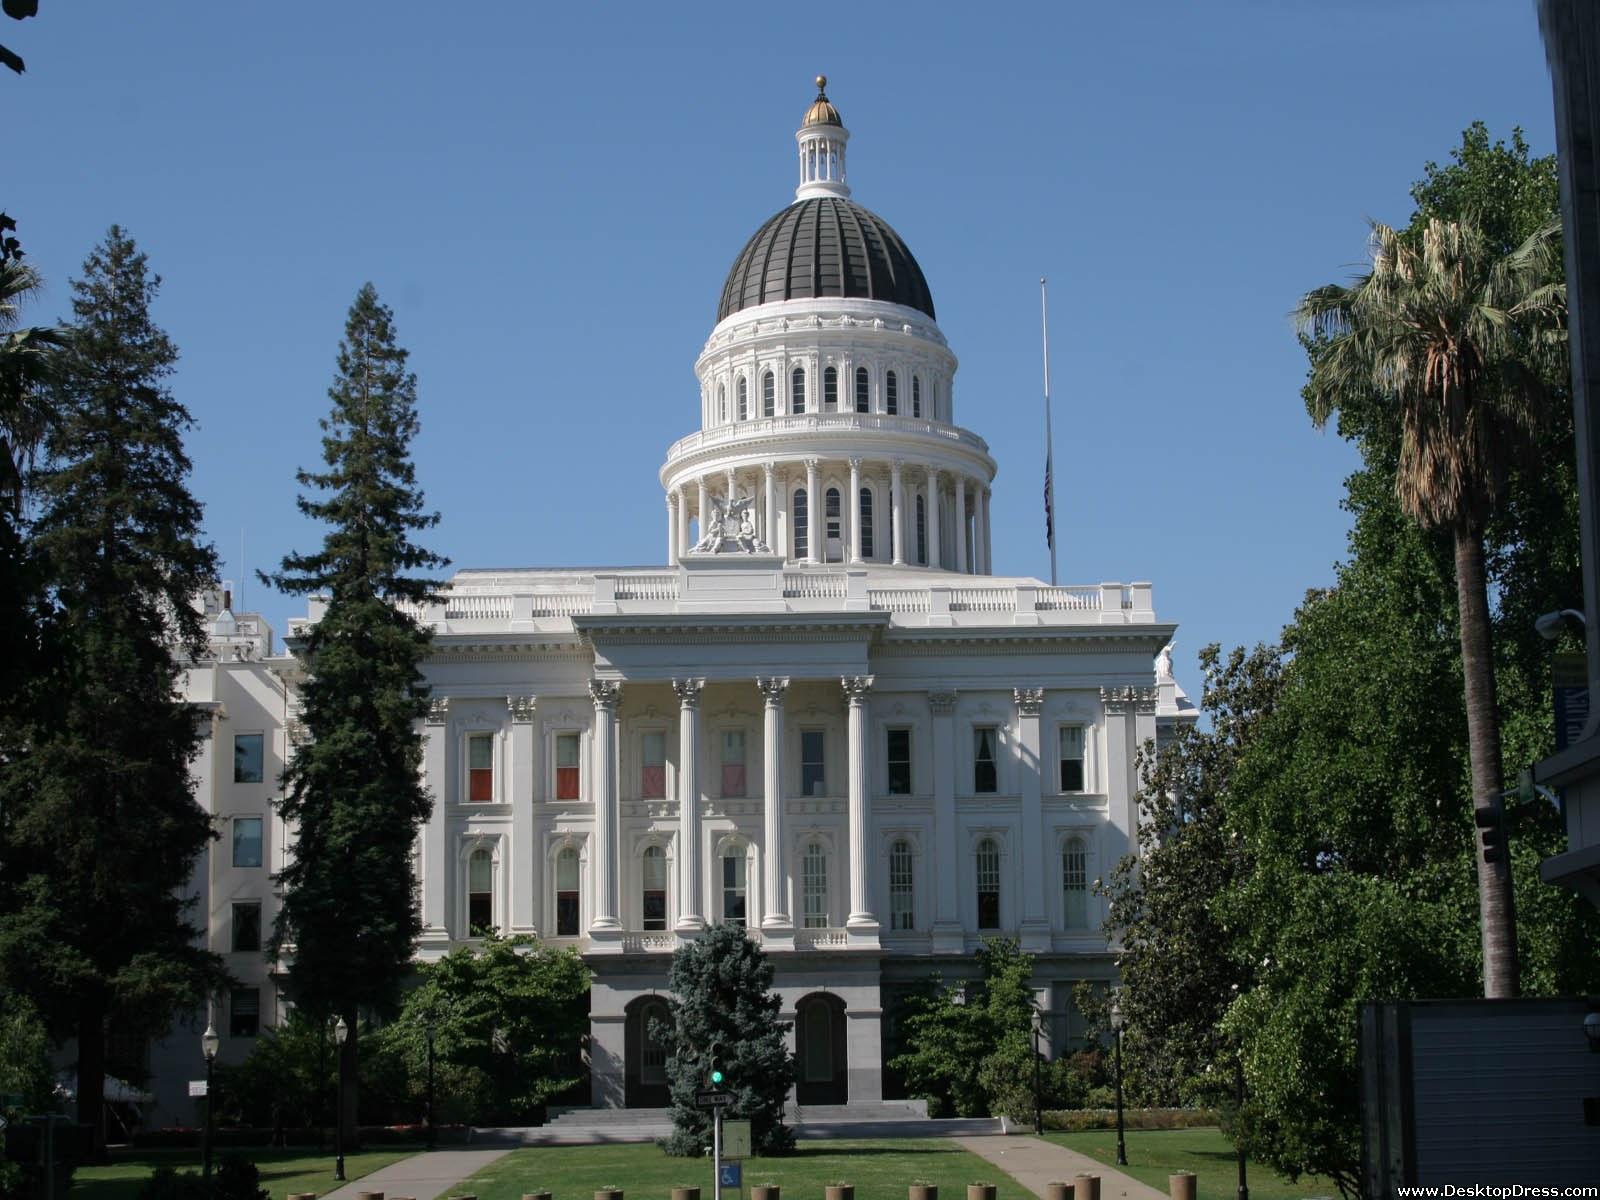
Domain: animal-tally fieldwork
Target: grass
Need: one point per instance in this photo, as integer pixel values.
(1153, 1154)
(282, 1171)
(880, 1170)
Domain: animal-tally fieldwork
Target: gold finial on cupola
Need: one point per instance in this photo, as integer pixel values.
(822, 111)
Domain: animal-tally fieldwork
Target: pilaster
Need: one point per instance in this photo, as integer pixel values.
(523, 877)
(961, 524)
(853, 505)
(897, 514)
(605, 930)
(934, 557)
(815, 551)
(436, 873)
(1035, 927)
(948, 936)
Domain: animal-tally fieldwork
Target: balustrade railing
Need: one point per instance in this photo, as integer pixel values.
(902, 600)
(814, 585)
(983, 599)
(820, 939)
(822, 422)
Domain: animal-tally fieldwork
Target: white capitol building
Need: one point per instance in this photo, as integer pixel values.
(826, 716)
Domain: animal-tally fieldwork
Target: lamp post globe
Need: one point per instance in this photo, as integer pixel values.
(341, 1033)
(209, 1044)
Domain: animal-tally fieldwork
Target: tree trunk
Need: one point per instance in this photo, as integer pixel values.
(92, 1074)
(1496, 917)
(349, 1060)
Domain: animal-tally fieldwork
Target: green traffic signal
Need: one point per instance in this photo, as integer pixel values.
(716, 1077)
(715, 1074)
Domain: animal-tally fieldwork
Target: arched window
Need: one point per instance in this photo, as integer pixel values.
(653, 1051)
(988, 876)
(801, 534)
(832, 515)
(830, 389)
(480, 893)
(865, 517)
(733, 885)
(744, 399)
(797, 390)
(722, 405)
(814, 887)
(769, 395)
(653, 889)
(1075, 884)
(567, 893)
(891, 394)
(902, 898)
(922, 530)
(863, 391)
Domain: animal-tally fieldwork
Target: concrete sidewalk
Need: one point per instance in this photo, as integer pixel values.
(423, 1176)
(1034, 1162)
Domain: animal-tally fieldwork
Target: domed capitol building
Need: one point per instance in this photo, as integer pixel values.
(825, 717)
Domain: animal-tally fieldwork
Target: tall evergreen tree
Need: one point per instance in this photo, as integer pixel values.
(102, 826)
(354, 794)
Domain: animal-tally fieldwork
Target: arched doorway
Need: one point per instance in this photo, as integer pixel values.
(645, 1065)
(820, 1062)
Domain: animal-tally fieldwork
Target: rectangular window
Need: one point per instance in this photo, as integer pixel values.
(902, 897)
(985, 778)
(899, 753)
(247, 926)
(480, 893)
(1075, 884)
(988, 871)
(567, 894)
(652, 766)
(733, 777)
(480, 767)
(244, 1012)
(568, 773)
(654, 881)
(813, 770)
(814, 887)
(247, 757)
(733, 888)
(247, 841)
(1072, 758)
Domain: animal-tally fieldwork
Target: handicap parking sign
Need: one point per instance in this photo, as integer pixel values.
(730, 1175)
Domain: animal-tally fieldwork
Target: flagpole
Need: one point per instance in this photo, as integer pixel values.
(1049, 439)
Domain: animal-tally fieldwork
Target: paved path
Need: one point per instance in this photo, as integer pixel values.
(422, 1176)
(1034, 1162)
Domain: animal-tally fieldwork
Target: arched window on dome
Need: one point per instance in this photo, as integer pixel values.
(769, 395)
(865, 518)
(833, 514)
(863, 391)
(744, 399)
(801, 532)
(797, 390)
(891, 394)
(722, 405)
(922, 530)
(830, 389)
(916, 396)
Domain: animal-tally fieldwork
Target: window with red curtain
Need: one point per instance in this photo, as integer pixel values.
(652, 766)
(568, 773)
(480, 767)
(733, 781)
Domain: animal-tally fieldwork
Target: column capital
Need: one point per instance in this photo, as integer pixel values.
(1129, 699)
(895, 464)
(438, 710)
(672, 498)
(855, 463)
(772, 689)
(813, 463)
(522, 708)
(856, 688)
(933, 474)
(768, 468)
(943, 702)
(688, 691)
(607, 693)
(1029, 701)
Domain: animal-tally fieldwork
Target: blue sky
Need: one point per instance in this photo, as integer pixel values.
(549, 197)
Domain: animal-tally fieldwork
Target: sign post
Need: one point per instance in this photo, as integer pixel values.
(716, 1153)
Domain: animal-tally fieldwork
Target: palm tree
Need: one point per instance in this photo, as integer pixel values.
(25, 356)
(1452, 333)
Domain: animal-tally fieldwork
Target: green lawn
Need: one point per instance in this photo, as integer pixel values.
(1153, 1154)
(880, 1170)
(282, 1171)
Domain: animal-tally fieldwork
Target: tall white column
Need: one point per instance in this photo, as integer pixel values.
(436, 874)
(988, 561)
(961, 524)
(603, 918)
(897, 514)
(934, 559)
(861, 920)
(854, 505)
(814, 550)
(769, 522)
(683, 521)
(690, 919)
(948, 937)
(705, 507)
(1035, 925)
(524, 875)
(672, 529)
(776, 874)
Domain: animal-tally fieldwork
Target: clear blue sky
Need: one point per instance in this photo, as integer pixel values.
(550, 195)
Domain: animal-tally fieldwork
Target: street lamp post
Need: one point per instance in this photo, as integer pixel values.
(1238, 1099)
(341, 1031)
(209, 1041)
(1038, 1095)
(1116, 1026)
(432, 1133)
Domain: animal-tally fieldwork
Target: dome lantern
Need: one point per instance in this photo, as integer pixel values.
(822, 137)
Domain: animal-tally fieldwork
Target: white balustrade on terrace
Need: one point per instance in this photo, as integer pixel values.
(821, 423)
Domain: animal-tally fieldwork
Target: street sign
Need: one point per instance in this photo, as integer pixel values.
(736, 1139)
(711, 1098)
(197, 1087)
(728, 1175)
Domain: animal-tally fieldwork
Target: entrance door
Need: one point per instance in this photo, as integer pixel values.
(820, 1051)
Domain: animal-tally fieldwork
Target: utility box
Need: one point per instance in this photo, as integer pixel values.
(1478, 1092)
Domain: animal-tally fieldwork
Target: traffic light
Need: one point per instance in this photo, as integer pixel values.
(716, 1075)
(1492, 820)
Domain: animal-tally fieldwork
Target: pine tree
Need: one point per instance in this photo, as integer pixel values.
(722, 993)
(101, 822)
(354, 794)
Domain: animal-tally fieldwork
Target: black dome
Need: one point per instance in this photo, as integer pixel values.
(825, 246)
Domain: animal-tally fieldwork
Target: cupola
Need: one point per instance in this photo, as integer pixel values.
(822, 137)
